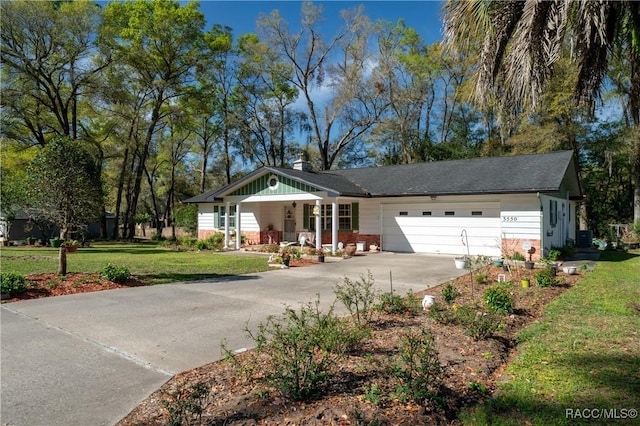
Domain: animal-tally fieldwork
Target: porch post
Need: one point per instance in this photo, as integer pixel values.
(334, 225)
(238, 228)
(318, 225)
(226, 224)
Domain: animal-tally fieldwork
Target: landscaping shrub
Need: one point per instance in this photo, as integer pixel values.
(185, 405)
(418, 367)
(483, 325)
(12, 283)
(301, 348)
(392, 303)
(358, 296)
(498, 299)
(116, 274)
(517, 256)
(157, 237)
(442, 314)
(212, 242)
(546, 277)
(450, 294)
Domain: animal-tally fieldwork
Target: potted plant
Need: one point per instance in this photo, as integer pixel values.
(56, 242)
(71, 246)
(529, 264)
(461, 262)
(350, 250)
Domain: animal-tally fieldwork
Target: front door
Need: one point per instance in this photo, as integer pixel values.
(289, 233)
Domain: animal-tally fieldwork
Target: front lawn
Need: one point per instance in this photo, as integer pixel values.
(148, 262)
(581, 362)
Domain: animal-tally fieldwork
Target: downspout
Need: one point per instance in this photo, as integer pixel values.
(542, 231)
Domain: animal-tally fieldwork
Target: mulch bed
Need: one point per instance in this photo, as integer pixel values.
(51, 284)
(473, 369)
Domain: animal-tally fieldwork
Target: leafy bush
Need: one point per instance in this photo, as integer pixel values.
(185, 405)
(553, 255)
(418, 367)
(212, 242)
(116, 274)
(442, 314)
(517, 256)
(186, 216)
(481, 278)
(157, 237)
(483, 325)
(358, 296)
(498, 299)
(12, 283)
(392, 303)
(301, 348)
(450, 293)
(546, 277)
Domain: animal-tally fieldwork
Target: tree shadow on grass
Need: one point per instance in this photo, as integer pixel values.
(174, 278)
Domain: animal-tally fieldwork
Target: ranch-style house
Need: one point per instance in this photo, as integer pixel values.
(482, 206)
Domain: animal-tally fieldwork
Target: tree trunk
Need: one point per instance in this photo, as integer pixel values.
(62, 260)
(155, 118)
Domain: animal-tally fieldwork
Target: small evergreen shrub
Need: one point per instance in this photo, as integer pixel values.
(517, 256)
(442, 314)
(358, 296)
(297, 351)
(450, 294)
(418, 367)
(116, 274)
(483, 325)
(12, 283)
(157, 237)
(186, 405)
(498, 299)
(392, 303)
(546, 277)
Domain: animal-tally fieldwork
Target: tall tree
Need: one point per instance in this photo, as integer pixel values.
(46, 53)
(521, 41)
(341, 66)
(263, 99)
(157, 44)
(64, 187)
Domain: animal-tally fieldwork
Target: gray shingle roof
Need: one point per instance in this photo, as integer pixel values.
(486, 175)
(512, 174)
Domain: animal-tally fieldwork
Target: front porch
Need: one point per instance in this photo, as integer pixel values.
(318, 223)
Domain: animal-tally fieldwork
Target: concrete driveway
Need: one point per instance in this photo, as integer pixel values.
(89, 359)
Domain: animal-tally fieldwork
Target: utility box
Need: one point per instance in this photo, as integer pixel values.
(585, 239)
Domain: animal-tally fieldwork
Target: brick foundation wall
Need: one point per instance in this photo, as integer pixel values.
(511, 245)
(346, 237)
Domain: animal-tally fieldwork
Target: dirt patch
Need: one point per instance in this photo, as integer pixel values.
(361, 391)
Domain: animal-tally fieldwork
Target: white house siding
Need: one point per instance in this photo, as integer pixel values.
(205, 217)
(557, 235)
(369, 218)
(249, 217)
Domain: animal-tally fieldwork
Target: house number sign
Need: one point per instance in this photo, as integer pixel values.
(509, 218)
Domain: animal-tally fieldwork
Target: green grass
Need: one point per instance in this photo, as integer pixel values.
(147, 261)
(583, 354)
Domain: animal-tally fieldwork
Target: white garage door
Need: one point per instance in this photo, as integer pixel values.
(437, 228)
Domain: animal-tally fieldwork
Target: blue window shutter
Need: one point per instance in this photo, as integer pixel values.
(216, 217)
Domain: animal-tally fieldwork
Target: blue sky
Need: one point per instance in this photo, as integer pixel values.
(241, 16)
